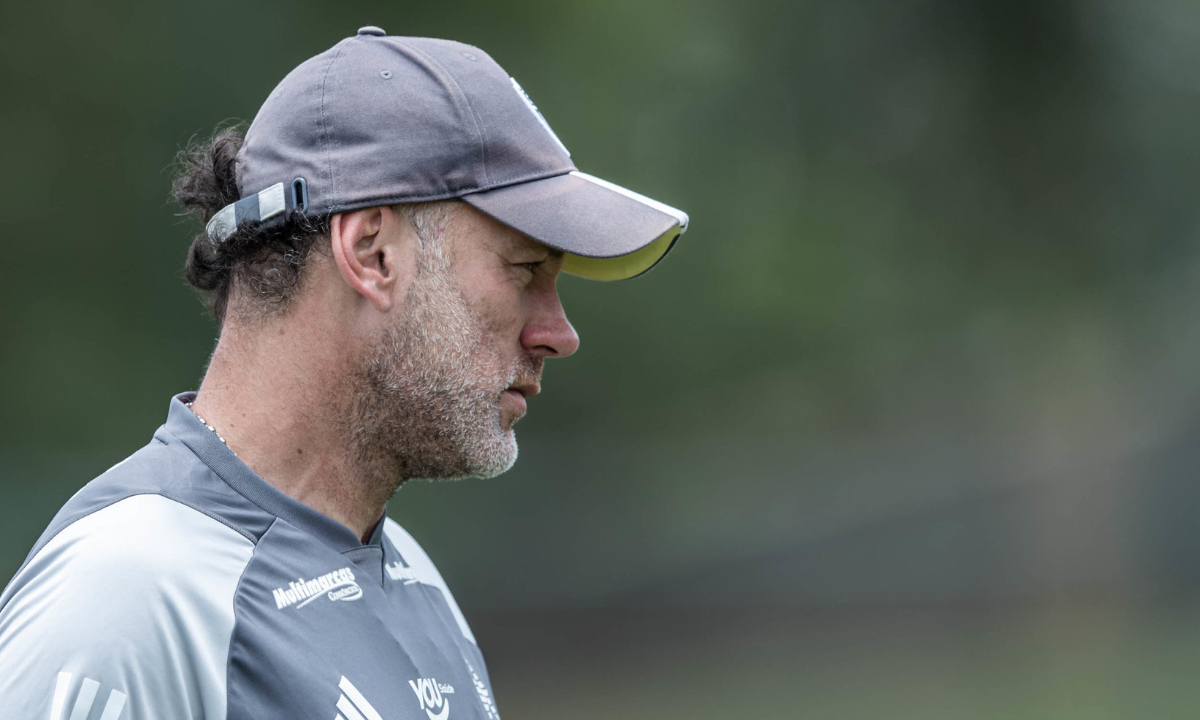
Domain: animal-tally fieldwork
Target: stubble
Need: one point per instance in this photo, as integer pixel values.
(426, 401)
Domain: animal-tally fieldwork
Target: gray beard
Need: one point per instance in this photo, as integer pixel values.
(426, 400)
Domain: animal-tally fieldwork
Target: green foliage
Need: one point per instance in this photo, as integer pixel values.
(925, 235)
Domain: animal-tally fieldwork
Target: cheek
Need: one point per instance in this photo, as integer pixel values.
(495, 298)
(498, 339)
(501, 317)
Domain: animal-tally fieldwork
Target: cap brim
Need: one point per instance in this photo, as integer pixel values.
(606, 231)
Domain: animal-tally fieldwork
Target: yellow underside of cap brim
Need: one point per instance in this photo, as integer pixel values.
(621, 267)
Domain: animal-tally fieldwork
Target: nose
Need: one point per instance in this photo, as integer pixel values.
(547, 331)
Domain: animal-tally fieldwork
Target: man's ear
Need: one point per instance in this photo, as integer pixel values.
(364, 244)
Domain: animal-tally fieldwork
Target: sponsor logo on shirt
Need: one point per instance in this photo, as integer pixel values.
(337, 585)
(352, 704)
(432, 696)
(85, 698)
(399, 571)
(485, 697)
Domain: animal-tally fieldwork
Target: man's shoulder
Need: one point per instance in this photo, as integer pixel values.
(133, 598)
(148, 528)
(165, 469)
(128, 549)
(150, 516)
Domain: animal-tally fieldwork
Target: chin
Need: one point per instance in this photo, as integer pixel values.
(496, 456)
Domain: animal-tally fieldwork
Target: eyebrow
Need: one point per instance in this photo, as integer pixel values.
(530, 243)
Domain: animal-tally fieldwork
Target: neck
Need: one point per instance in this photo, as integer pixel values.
(276, 394)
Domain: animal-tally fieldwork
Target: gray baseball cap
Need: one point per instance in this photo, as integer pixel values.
(379, 120)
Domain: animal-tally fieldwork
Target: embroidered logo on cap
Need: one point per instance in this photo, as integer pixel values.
(537, 114)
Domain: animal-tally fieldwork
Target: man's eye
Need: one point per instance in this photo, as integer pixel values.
(532, 266)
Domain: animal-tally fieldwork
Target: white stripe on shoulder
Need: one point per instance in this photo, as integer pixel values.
(424, 569)
(133, 602)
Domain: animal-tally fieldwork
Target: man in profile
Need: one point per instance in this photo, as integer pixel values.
(381, 251)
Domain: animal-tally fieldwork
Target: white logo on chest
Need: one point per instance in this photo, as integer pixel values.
(337, 585)
(432, 697)
(352, 704)
(399, 571)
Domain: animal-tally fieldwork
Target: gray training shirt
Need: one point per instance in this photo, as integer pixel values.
(179, 584)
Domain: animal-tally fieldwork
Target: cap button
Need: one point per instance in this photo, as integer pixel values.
(371, 30)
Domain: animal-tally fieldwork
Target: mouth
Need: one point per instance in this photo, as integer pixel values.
(517, 394)
(517, 403)
(524, 389)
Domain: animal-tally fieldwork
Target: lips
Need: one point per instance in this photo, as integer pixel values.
(518, 399)
(524, 383)
(519, 391)
(524, 389)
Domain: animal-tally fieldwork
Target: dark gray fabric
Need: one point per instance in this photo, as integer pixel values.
(286, 662)
(383, 120)
(574, 215)
(378, 120)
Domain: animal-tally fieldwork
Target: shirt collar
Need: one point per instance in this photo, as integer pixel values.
(204, 443)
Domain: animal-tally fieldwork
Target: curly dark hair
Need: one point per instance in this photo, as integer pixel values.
(262, 267)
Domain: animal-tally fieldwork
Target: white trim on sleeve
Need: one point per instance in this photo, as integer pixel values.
(131, 606)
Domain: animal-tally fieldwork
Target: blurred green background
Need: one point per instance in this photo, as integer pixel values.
(906, 427)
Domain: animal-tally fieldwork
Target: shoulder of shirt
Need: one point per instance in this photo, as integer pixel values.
(166, 468)
(135, 546)
(149, 529)
(137, 596)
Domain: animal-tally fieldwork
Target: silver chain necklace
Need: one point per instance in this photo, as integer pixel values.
(210, 427)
